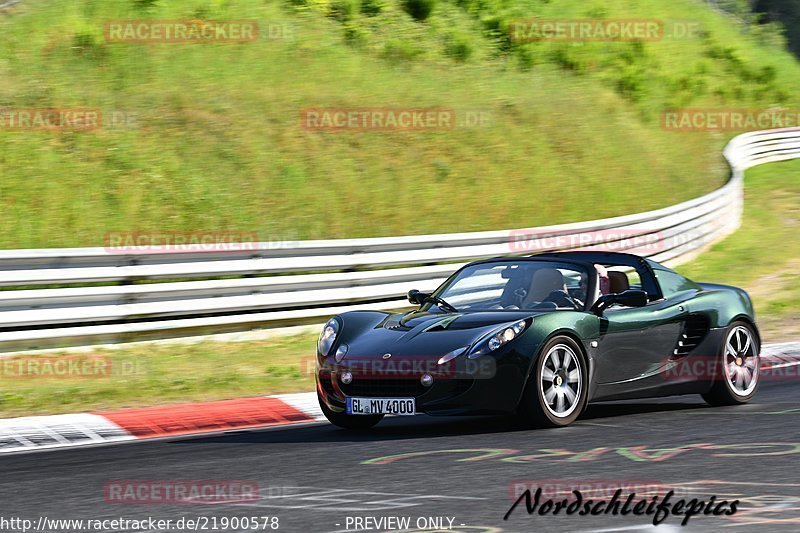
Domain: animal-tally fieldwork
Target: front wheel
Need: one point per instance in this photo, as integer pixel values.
(556, 392)
(736, 379)
(343, 420)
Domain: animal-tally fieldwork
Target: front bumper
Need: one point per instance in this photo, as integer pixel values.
(463, 392)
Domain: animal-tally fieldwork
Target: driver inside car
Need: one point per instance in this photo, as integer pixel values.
(603, 285)
(547, 286)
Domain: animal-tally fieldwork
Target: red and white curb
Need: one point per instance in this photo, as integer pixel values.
(58, 431)
(34, 433)
(305, 402)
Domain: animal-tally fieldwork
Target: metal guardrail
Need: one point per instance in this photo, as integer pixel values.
(321, 278)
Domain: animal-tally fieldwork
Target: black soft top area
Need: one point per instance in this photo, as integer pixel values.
(589, 256)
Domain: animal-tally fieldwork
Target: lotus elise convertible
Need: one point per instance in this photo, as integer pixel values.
(540, 336)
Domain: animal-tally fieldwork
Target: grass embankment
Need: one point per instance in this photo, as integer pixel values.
(574, 128)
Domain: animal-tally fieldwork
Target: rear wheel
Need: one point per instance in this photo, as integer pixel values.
(556, 392)
(736, 378)
(343, 420)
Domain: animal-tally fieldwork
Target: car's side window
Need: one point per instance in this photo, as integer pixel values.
(634, 280)
(672, 283)
(638, 278)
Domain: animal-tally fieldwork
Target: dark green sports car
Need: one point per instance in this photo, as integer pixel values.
(541, 336)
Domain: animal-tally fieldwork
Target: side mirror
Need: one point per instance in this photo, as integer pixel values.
(632, 298)
(416, 297)
(629, 298)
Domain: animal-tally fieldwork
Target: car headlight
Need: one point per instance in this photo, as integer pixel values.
(498, 338)
(328, 336)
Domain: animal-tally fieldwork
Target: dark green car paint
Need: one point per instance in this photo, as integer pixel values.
(626, 349)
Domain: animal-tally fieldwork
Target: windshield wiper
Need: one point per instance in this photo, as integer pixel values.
(441, 303)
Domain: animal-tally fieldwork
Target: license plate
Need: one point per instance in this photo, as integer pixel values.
(381, 406)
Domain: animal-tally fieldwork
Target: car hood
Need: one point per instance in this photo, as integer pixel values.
(420, 333)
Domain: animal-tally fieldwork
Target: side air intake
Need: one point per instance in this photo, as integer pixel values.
(693, 332)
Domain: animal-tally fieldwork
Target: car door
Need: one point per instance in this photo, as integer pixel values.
(636, 342)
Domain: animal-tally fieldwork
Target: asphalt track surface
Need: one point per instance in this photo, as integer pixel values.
(316, 477)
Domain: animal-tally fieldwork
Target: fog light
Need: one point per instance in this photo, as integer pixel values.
(347, 377)
(426, 380)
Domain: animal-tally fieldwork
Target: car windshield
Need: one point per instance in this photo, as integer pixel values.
(514, 285)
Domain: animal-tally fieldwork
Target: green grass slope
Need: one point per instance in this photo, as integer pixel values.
(573, 128)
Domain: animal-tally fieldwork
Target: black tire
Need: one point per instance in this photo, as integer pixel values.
(723, 391)
(354, 422)
(534, 407)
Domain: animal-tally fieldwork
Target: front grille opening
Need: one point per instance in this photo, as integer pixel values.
(403, 388)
